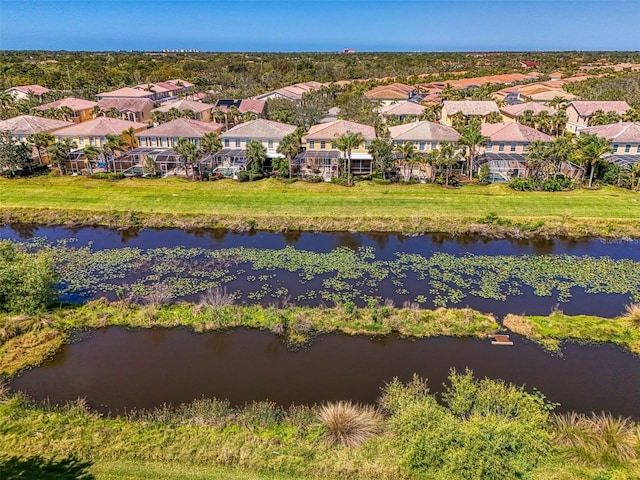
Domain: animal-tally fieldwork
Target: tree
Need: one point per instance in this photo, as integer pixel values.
(91, 153)
(188, 153)
(431, 113)
(40, 142)
(66, 113)
(631, 115)
(129, 137)
(590, 149)
(560, 150)
(493, 117)
(14, 155)
(544, 122)
(559, 122)
(7, 103)
(59, 151)
(382, 152)
(113, 145)
(289, 146)
(210, 143)
(158, 117)
(409, 155)
(256, 156)
(635, 176)
(558, 102)
(96, 111)
(536, 158)
(471, 139)
(448, 157)
(113, 112)
(346, 143)
(527, 118)
(459, 121)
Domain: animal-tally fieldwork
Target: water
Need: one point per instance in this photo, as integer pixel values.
(247, 284)
(118, 369)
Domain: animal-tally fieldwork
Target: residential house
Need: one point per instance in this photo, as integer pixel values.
(527, 64)
(322, 157)
(166, 135)
(291, 92)
(23, 92)
(425, 136)
(388, 94)
(580, 112)
(512, 113)
(81, 108)
(130, 109)
(24, 125)
(158, 92)
(468, 108)
(505, 152)
(624, 138)
(94, 132)
(185, 87)
(201, 111)
(244, 106)
(232, 158)
(402, 111)
(126, 92)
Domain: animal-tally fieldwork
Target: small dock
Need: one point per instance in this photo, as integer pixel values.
(500, 339)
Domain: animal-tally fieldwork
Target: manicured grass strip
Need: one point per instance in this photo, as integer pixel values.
(551, 330)
(272, 205)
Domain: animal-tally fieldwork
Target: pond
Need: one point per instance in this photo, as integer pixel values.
(118, 369)
(588, 276)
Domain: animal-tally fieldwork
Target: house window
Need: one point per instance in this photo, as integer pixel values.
(165, 142)
(489, 147)
(421, 146)
(312, 144)
(434, 145)
(270, 144)
(333, 146)
(226, 142)
(524, 147)
(627, 148)
(323, 144)
(196, 142)
(92, 141)
(513, 147)
(81, 141)
(174, 141)
(103, 140)
(237, 143)
(367, 144)
(501, 147)
(615, 148)
(638, 150)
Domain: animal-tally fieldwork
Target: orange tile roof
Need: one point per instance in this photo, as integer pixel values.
(34, 89)
(512, 132)
(520, 108)
(587, 108)
(327, 131)
(99, 127)
(182, 127)
(619, 132)
(28, 124)
(75, 104)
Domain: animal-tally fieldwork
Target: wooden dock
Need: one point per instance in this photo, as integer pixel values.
(500, 339)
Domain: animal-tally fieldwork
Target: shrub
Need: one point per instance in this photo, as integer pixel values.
(217, 297)
(243, 176)
(349, 424)
(633, 313)
(313, 179)
(254, 177)
(107, 176)
(380, 181)
(556, 184)
(339, 180)
(522, 184)
(287, 180)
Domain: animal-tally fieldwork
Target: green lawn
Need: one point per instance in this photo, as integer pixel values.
(270, 204)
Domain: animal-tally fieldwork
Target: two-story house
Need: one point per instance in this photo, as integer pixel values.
(82, 109)
(467, 108)
(580, 112)
(624, 138)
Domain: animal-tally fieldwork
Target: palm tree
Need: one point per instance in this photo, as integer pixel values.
(58, 152)
(560, 150)
(635, 175)
(544, 121)
(536, 158)
(346, 143)
(558, 102)
(590, 149)
(113, 112)
(448, 157)
(188, 153)
(256, 155)
(381, 150)
(472, 139)
(66, 113)
(289, 146)
(129, 137)
(210, 143)
(234, 114)
(458, 121)
(431, 113)
(158, 117)
(559, 121)
(409, 154)
(219, 116)
(248, 116)
(631, 115)
(96, 111)
(40, 141)
(7, 101)
(113, 144)
(432, 158)
(527, 118)
(91, 153)
(493, 117)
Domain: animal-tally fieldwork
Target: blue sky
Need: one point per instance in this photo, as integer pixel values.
(321, 25)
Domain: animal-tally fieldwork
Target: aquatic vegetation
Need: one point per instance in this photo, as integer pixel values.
(339, 276)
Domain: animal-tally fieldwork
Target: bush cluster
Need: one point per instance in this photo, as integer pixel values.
(551, 184)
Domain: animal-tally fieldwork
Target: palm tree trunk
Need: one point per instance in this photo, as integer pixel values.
(593, 169)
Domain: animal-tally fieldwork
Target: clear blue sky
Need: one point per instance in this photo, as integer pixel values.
(321, 25)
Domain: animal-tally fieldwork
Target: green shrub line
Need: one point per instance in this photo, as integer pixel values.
(477, 429)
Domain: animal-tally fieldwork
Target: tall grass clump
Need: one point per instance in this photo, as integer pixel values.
(632, 313)
(349, 424)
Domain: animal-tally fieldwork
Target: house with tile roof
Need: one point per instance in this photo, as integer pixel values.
(624, 138)
(425, 137)
(201, 111)
(243, 105)
(511, 137)
(321, 156)
(81, 108)
(166, 135)
(94, 132)
(130, 109)
(23, 92)
(232, 158)
(402, 111)
(291, 92)
(579, 112)
(388, 94)
(24, 125)
(468, 108)
(512, 113)
(126, 92)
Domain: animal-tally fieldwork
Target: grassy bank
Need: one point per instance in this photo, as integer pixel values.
(272, 205)
(480, 430)
(28, 340)
(551, 330)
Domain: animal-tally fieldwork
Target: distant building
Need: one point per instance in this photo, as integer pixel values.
(468, 108)
(291, 92)
(348, 50)
(388, 94)
(81, 108)
(579, 112)
(525, 64)
(22, 92)
(201, 111)
(131, 109)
